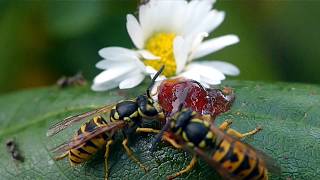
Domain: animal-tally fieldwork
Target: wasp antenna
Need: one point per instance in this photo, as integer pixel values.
(154, 79)
(168, 121)
(159, 136)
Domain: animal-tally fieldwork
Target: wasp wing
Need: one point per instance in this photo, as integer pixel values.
(203, 155)
(82, 138)
(56, 128)
(269, 162)
(216, 165)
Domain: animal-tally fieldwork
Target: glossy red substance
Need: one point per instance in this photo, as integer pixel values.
(172, 92)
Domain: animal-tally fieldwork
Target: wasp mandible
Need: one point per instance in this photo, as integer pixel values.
(125, 116)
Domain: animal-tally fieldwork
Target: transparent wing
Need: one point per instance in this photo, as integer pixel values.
(270, 163)
(56, 128)
(82, 138)
(203, 155)
(216, 165)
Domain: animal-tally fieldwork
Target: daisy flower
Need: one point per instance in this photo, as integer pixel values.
(170, 33)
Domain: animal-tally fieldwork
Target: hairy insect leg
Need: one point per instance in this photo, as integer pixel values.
(239, 135)
(186, 169)
(166, 137)
(106, 158)
(225, 125)
(62, 156)
(131, 155)
(147, 130)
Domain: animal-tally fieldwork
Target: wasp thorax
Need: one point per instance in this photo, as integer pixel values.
(182, 119)
(127, 111)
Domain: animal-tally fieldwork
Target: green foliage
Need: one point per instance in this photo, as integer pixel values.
(288, 114)
(41, 40)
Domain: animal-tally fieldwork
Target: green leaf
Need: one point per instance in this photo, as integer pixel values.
(288, 113)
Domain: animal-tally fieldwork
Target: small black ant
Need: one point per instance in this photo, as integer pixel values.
(13, 149)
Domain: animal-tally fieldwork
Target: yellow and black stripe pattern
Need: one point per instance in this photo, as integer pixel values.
(236, 158)
(130, 111)
(239, 160)
(90, 147)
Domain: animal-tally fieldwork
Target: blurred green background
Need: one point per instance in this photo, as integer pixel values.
(42, 40)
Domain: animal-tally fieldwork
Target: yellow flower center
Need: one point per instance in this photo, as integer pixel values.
(161, 45)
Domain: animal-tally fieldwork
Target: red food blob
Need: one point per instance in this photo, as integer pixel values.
(172, 92)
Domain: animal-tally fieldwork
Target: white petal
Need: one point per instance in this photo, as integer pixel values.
(135, 31)
(103, 64)
(147, 19)
(164, 13)
(224, 67)
(112, 74)
(178, 18)
(150, 70)
(212, 20)
(144, 19)
(115, 53)
(106, 64)
(180, 53)
(148, 55)
(197, 11)
(198, 40)
(209, 74)
(204, 84)
(210, 81)
(214, 45)
(104, 86)
(139, 64)
(191, 75)
(131, 81)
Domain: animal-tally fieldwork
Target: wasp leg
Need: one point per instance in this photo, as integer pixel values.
(186, 169)
(242, 135)
(62, 156)
(106, 157)
(147, 130)
(131, 155)
(165, 137)
(225, 125)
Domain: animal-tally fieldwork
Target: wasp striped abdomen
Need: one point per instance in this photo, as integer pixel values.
(86, 150)
(239, 160)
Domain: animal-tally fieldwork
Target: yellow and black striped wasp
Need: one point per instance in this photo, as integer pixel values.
(125, 116)
(233, 159)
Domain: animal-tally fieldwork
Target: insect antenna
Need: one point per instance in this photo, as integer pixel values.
(168, 119)
(154, 80)
(159, 136)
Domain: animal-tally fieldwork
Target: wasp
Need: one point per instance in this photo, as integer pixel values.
(233, 159)
(125, 116)
(208, 102)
